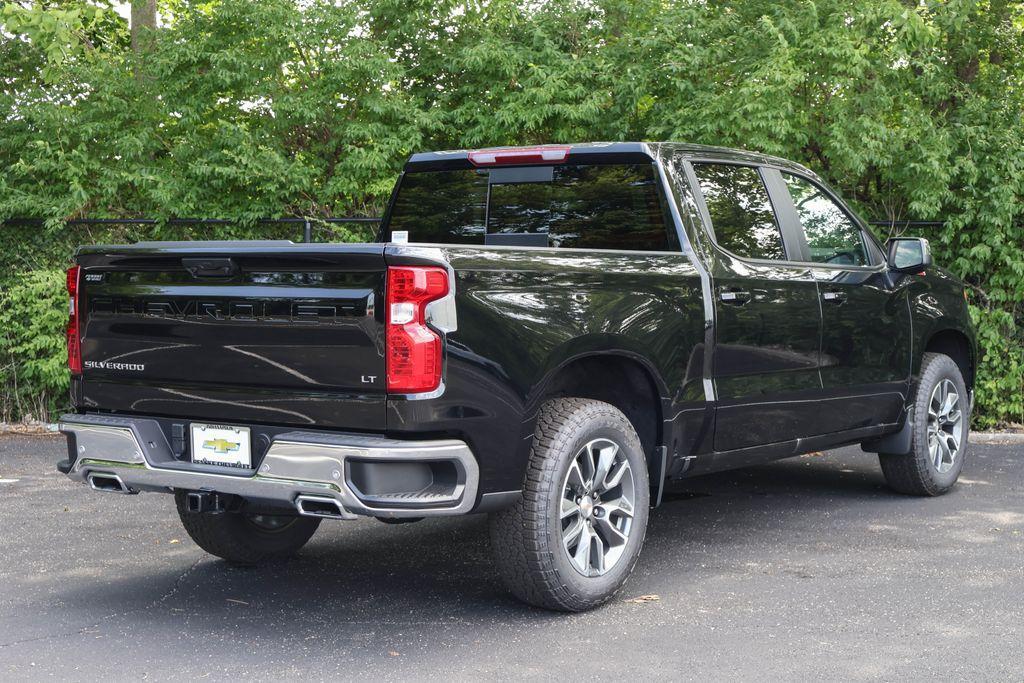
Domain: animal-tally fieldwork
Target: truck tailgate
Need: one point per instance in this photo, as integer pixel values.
(275, 333)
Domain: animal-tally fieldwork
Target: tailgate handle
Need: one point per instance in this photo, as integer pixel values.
(210, 267)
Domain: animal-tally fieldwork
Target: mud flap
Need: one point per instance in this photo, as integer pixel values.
(658, 471)
(896, 443)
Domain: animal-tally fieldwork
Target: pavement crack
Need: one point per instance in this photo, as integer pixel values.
(167, 595)
(170, 592)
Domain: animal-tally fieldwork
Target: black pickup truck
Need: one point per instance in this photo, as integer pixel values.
(545, 334)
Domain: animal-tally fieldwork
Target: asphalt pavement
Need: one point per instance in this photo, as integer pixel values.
(803, 569)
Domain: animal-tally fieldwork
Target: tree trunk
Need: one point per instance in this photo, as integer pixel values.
(143, 21)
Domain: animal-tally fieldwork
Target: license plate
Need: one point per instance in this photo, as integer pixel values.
(221, 445)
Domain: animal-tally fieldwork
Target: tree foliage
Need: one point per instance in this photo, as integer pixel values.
(244, 110)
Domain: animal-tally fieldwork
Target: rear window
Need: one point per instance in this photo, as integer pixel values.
(608, 206)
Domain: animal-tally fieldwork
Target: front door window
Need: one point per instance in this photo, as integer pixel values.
(832, 237)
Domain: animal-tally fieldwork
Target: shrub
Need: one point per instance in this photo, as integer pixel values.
(33, 355)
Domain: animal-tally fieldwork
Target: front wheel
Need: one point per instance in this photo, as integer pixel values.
(941, 422)
(572, 540)
(244, 538)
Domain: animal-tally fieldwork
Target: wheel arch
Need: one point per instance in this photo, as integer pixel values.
(954, 343)
(619, 376)
(950, 341)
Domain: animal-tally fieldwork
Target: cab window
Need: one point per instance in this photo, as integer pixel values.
(832, 236)
(741, 212)
(593, 206)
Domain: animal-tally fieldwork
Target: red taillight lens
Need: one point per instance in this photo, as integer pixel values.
(547, 154)
(74, 340)
(413, 349)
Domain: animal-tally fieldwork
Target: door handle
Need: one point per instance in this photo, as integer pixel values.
(734, 297)
(834, 297)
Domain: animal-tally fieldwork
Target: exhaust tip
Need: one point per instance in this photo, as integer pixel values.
(110, 483)
(321, 506)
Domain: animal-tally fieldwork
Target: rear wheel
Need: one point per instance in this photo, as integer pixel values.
(244, 538)
(572, 540)
(941, 422)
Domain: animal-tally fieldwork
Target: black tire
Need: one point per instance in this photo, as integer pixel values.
(917, 472)
(527, 538)
(245, 539)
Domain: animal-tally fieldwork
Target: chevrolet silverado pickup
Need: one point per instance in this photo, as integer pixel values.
(544, 334)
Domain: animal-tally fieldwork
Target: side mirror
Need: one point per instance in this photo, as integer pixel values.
(909, 254)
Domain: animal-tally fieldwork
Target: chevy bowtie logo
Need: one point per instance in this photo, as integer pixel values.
(220, 445)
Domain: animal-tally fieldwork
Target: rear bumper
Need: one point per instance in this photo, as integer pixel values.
(131, 454)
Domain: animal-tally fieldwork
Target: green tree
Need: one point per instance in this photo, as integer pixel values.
(243, 110)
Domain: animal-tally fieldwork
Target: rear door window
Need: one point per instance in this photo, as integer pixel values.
(446, 207)
(598, 206)
(832, 236)
(741, 212)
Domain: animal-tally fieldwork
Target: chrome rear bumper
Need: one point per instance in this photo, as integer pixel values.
(308, 471)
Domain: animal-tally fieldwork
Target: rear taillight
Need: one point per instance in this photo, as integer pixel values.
(414, 354)
(74, 340)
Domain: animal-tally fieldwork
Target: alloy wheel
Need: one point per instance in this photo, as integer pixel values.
(597, 507)
(945, 426)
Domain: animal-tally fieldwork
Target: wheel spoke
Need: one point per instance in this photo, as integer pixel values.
(619, 506)
(574, 479)
(572, 534)
(588, 463)
(944, 454)
(569, 508)
(605, 460)
(615, 477)
(610, 533)
(582, 555)
(935, 405)
(599, 556)
(950, 399)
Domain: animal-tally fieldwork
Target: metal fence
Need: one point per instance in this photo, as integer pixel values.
(908, 224)
(306, 223)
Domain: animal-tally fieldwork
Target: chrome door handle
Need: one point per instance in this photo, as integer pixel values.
(834, 297)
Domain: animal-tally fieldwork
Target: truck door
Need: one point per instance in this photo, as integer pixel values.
(767, 316)
(866, 332)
